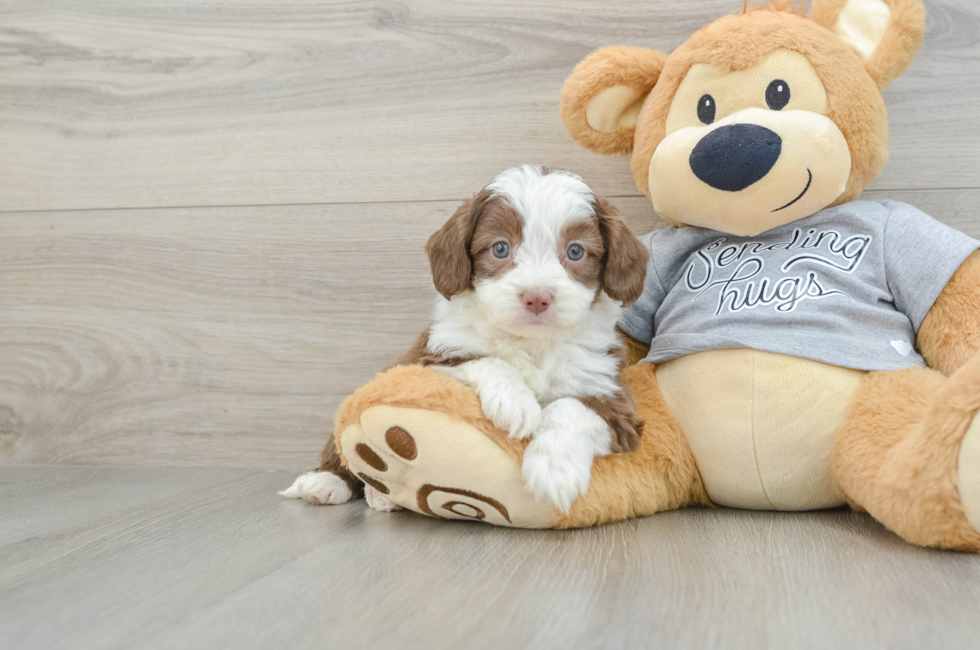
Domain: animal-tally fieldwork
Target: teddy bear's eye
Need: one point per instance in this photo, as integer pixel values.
(706, 109)
(777, 95)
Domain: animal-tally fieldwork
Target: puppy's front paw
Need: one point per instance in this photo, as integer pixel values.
(511, 407)
(378, 501)
(321, 488)
(556, 470)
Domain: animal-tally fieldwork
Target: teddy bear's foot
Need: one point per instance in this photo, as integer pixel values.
(966, 400)
(909, 454)
(436, 465)
(968, 473)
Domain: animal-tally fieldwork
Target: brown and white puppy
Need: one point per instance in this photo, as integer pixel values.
(532, 275)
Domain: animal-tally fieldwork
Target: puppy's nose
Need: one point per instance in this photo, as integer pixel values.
(537, 301)
(732, 157)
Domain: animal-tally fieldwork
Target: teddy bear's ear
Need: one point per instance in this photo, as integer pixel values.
(602, 99)
(886, 33)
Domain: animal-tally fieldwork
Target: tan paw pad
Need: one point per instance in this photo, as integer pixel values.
(968, 473)
(436, 465)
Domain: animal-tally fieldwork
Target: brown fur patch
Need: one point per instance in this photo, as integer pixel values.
(619, 412)
(448, 248)
(588, 270)
(498, 221)
(625, 264)
(419, 355)
(461, 250)
(331, 461)
(950, 333)
(897, 455)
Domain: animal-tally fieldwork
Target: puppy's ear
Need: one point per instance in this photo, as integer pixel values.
(449, 248)
(626, 257)
(602, 98)
(885, 33)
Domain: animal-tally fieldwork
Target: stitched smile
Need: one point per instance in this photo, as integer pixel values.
(808, 181)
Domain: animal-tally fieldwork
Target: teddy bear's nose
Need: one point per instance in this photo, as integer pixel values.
(732, 157)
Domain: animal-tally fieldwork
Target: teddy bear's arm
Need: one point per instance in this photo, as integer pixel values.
(635, 350)
(950, 333)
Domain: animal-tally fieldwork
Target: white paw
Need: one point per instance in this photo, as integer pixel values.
(511, 407)
(555, 475)
(378, 501)
(556, 471)
(557, 465)
(322, 488)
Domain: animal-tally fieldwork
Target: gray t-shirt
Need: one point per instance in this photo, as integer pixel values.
(848, 286)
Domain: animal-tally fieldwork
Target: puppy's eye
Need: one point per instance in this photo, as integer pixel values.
(706, 109)
(500, 250)
(575, 252)
(777, 95)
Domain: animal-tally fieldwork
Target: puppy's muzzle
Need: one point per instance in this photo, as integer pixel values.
(732, 157)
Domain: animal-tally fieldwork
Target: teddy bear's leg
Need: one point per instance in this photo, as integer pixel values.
(659, 475)
(909, 454)
(421, 440)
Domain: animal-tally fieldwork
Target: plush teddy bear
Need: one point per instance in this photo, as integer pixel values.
(794, 348)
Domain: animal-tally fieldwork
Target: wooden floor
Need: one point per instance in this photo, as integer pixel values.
(193, 558)
(211, 227)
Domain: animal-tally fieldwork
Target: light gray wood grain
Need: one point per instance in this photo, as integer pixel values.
(203, 558)
(225, 337)
(148, 103)
(220, 336)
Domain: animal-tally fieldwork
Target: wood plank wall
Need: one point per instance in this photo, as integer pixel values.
(212, 213)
